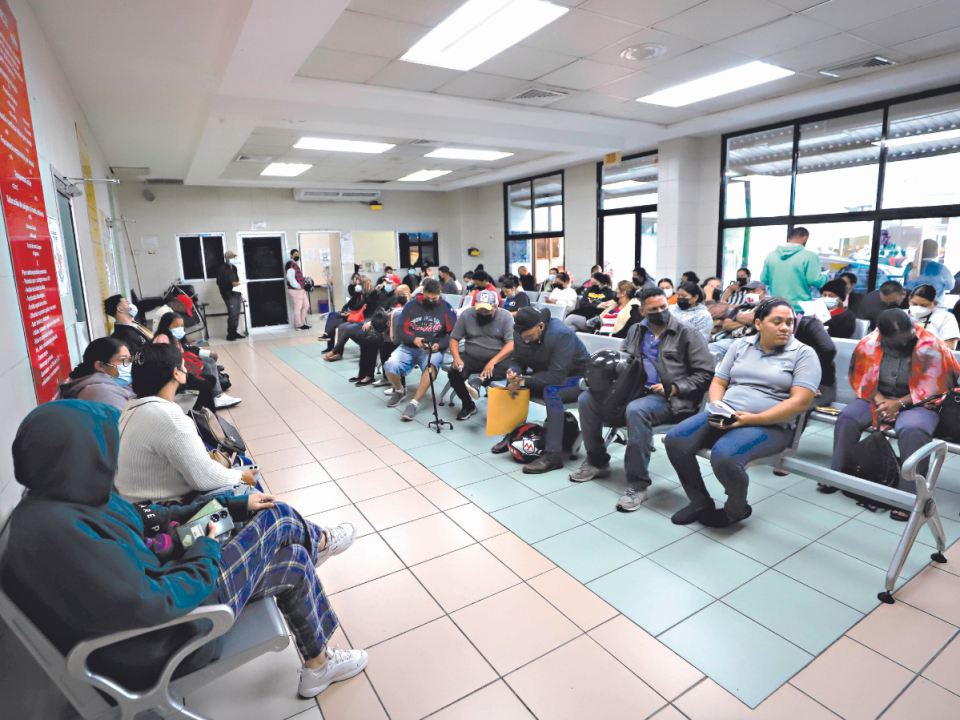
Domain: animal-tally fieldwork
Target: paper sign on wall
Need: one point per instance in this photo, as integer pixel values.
(258, 225)
(59, 259)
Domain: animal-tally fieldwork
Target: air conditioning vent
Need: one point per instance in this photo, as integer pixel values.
(164, 181)
(321, 195)
(372, 182)
(253, 158)
(536, 96)
(423, 142)
(856, 68)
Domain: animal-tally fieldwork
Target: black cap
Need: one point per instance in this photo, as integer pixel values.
(529, 317)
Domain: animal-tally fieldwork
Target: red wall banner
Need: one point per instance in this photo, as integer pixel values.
(26, 220)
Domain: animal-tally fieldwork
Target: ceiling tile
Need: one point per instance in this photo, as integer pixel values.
(718, 19)
(912, 25)
(664, 115)
(626, 110)
(790, 32)
(648, 12)
(327, 64)
(412, 76)
(586, 102)
(848, 14)
(933, 45)
(524, 63)
(636, 85)
(371, 35)
(584, 75)
(823, 53)
(480, 86)
(797, 5)
(580, 33)
(673, 44)
(698, 63)
(420, 12)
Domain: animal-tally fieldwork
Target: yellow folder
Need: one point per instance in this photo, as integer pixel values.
(504, 413)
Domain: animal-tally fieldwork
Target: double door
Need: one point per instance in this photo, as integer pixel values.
(263, 256)
(627, 239)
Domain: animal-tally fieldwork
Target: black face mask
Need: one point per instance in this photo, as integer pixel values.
(716, 295)
(484, 319)
(296, 258)
(658, 318)
(532, 342)
(558, 286)
(741, 281)
(427, 303)
(683, 303)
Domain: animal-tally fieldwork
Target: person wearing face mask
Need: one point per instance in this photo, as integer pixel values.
(740, 319)
(621, 314)
(712, 289)
(481, 281)
(125, 328)
(513, 297)
(927, 313)
(690, 310)
(592, 301)
(170, 331)
(889, 295)
(641, 278)
(354, 307)
(103, 376)
(677, 369)
(361, 306)
(666, 284)
(562, 294)
(735, 292)
(548, 359)
(893, 369)
(768, 379)
(842, 322)
(379, 337)
(547, 284)
(481, 342)
(228, 280)
(301, 302)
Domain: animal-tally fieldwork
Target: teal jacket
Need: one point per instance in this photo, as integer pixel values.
(790, 271)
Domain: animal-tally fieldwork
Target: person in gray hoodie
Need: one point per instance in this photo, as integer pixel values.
(103, 376)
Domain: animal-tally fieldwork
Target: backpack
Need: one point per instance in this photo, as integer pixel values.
(627, 387)
(601, 370)
(217, 432)
(873, 459)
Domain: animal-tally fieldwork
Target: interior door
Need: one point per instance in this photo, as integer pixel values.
(78, 289)
(261, 275)
(620, 245)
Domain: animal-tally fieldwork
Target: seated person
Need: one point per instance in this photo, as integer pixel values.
(927, 313)
(595, 294)
(712, 289)
(527, 281)
(481, 281)
(889, 295)
(666, 284)
(854, 299)
(641, 278)
(486, 334)
(368, 299)
(842, 322)
(71, 530)
(449, 281)
(768, 379)
(895, 367)
(678, 370)
(690, 310)
(548, 359)
(354, 303)
(562, 293)
(181, 304)
(812, 333)
(103, 376)
(170, 330)
(161, 455)
(736, 292)
(125, 328)
(208, 358)
(378, 337)
(513, 297)
(739, 321)
(547, 284)
(423, 331)
(690, 276)
(621, 314)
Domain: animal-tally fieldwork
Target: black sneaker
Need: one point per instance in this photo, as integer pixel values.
(304, 327)
(467, 411)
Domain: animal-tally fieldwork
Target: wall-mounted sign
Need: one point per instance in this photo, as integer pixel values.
(258, 225)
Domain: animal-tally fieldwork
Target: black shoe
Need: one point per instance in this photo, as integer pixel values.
(354, 379)
(466, 411)
(502, 446)
(718, 518)
(304, 327)
(234, 337)
(545, 463)
(364, 383)
(690, 514)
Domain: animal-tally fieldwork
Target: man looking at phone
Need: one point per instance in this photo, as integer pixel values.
(678, 368)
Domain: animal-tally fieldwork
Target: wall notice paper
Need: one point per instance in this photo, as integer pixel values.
(149, 242)
(325, 256)
(310, 254)
(258, 225)
(59, 258)
(34, 264)
(504, 413)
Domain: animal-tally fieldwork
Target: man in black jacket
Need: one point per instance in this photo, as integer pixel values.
(125, 328)
(227, 280)
(548, 359)
(678, 368)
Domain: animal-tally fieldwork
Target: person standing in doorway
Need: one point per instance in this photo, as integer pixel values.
(227, 281)
(301, 302)
(791, 270)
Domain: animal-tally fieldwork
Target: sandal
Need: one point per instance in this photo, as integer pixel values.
(825, 489)
(899, 515)
(333, 357)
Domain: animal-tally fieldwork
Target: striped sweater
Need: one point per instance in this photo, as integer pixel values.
(161, 455)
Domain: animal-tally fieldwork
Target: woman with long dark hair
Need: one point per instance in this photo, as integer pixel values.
(103, 376)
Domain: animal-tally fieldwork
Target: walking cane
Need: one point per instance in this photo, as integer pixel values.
(436, 423)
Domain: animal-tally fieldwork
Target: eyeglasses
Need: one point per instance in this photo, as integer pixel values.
(125, 362)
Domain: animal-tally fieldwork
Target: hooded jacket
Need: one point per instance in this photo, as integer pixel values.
(430, 323)
(789, 272)
(76, 562)
(97, 387)
(559, 355)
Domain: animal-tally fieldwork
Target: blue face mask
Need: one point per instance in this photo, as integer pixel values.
(178, 333)
(388, 287)
(133, 310)
(124, 376)
(234, 261)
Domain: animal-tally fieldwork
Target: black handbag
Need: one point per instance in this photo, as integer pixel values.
(948, 426)
(627, 387)
(217, 432)
(873, 459)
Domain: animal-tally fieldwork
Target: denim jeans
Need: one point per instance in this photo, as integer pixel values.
(403, 359)
(731, 451)
(914, 430)
(471, 366)
(642, 415)
(721, 346)
(233, 313)
(554, 397)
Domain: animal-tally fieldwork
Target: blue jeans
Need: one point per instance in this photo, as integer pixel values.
(642, 415)
(403, 359)
(554, 397)
(721, 346)
(731, 451)
(914, 428)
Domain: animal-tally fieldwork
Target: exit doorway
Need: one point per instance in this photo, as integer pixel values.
(263, 256)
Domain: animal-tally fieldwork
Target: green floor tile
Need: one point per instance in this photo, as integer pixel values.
(586, 553)
(588, 501)
(438, 453)
(537, 519)
(643, 530)
(705, 563)
(763, 475)
(738, 654)
(798, 516)
(837, 502)
(544, 483)
(654, 598)
(465, 471)
(875, 546)
(408, 437)
(497, 492)
(667, 503)
(758, 539)
(805, 617)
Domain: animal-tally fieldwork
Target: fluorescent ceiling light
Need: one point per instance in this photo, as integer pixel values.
(357, 146)
(422, 175)
(460, 154)
(480, 29)
(721, 83)
(918, 139)
(623, 185)
(286, 169)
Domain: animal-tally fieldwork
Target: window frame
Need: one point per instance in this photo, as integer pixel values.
(508, 236)
(201, 235)
(638, 210)
(878, 216)
(403, 247)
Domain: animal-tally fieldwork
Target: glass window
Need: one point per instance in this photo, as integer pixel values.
(519, 209)
(749, 247)
(909, 244)
(632, 183)
(648, 241)
(843, 247)
(548, 204)
(758, 174)
(839, 164)
(923, 153)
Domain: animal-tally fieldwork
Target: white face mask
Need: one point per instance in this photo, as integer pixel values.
(830, 302)
(234, 261)
(919, 311)
(133, 310)
(751, 298)
(358, 287)
(178, 333)
(667, 292)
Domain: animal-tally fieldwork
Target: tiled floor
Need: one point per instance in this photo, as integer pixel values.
(481, 592)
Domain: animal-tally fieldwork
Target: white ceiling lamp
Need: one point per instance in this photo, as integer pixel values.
(424, 175)
(285, 169)
(462, 154)
(721, 83)
(333, 145)
(639, 53)
(918, 139)
(480, 29)
(624, 185)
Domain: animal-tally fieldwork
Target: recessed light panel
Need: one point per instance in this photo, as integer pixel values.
(461, 154)
(480, 29)
(332, 145)
(423, 175)
(721, 83)
(286, 169)
(919, 139)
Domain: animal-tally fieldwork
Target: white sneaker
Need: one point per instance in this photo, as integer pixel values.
(473, 387)
(339, 538)
(225, 401)
(340, 665)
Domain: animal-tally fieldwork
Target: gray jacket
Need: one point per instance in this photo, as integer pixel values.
(97, 387)
(683, 360)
